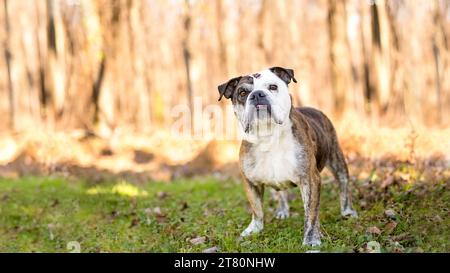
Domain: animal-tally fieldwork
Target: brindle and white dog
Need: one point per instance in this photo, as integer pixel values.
(284, 146)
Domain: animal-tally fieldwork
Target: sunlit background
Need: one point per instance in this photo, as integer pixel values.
(95, 83)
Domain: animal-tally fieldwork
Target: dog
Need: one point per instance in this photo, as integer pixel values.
(284, 147)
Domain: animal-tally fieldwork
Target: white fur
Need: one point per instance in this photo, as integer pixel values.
(276, 157)
(255, 226)
(275, 160)
(279, 100)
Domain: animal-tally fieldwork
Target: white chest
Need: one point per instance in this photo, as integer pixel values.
(276, 161)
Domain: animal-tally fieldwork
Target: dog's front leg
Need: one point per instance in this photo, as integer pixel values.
(310, 189)
(255, 197)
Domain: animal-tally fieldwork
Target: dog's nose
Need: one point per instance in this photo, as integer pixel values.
(256, 95)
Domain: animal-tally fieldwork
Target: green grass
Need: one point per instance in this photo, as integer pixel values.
(45, 214)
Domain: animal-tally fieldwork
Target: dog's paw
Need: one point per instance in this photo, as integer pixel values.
(312, 237)
(311, 242)
(349, 212)
(253, 228)
(282, 214)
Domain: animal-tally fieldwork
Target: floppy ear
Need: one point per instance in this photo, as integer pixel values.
(284, 73)
(227, 89)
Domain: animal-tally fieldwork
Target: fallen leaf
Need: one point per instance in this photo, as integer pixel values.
(388, 181)
(213, 249)
(389, 228)
(374, 230)
(198, 240)
(437, 218)
(390, 213)
(402, 237)
(161, 218)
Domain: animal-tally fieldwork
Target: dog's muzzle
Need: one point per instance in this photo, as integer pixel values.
(258, 99)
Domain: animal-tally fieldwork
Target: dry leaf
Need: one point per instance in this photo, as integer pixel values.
(374, 230)
(437, 218)
(401, 237)
(388, 181)
(390, 213)
(389, 228)
(213, 249)
(198, 240)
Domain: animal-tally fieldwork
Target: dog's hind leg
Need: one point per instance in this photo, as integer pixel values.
(283, 204)
(336, 164)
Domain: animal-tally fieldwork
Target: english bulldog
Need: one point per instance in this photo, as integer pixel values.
(284, 147)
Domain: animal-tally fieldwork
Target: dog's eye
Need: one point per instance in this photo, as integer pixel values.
(242, 92)
(273, 87)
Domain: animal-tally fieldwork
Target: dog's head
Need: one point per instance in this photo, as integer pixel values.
(260, 100)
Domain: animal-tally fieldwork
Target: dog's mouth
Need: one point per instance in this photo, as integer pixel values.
(263, 107)
(261, 111)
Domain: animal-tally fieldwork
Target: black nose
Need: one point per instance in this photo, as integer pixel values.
(256, 95)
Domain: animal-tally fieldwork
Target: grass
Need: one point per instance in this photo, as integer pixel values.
(44, 214)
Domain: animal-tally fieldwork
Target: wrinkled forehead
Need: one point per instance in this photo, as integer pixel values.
(260, 79)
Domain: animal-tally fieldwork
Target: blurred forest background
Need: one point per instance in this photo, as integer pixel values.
(77, 63)
(379, 69)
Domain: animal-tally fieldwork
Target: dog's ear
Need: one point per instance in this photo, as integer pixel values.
(284, 73)
(227, 89)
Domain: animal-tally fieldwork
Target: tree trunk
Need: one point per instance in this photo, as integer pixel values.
(187, 60)
(341, 69)
(55, 70)
(440, 46)
(381, 71)
(7, 53)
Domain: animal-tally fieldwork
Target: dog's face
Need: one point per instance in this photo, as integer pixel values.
(260, 100)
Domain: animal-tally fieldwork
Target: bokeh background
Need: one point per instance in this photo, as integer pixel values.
(114, 70)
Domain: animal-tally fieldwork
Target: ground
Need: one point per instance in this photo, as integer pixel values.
(56, 214)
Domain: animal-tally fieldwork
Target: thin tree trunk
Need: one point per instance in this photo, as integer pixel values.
(55, 68)
(439, 42)
(368, 90)
(380, 55)
(220, 36)
(41, 66)
(7, 53)
(187, 60)
(341, 70)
